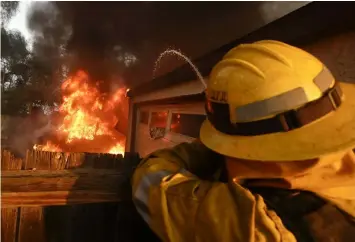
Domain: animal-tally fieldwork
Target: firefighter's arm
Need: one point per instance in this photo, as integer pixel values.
(179, 206)
(193, 157)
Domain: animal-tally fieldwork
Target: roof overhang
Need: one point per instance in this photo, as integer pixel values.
(183, 89)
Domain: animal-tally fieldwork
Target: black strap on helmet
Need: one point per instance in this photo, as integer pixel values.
(219, 116)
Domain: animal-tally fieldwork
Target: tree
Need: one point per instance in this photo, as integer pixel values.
(8, 9)
(14, 71)
(14, 58)
(26, 76)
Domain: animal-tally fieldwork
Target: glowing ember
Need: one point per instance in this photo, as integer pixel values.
(88, 119)
(48, 147)
(118, 149)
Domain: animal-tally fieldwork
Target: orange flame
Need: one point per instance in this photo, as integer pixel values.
(49, 146)
(89, 118)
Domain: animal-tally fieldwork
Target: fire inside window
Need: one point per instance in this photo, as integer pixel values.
(187, 124)
(159, 119)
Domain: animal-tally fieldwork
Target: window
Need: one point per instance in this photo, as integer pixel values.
(187, 124)
(159, 119)
(144, 117)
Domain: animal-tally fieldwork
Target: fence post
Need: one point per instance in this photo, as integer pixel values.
(9, 216)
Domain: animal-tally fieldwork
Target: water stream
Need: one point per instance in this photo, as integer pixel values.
(184, 57)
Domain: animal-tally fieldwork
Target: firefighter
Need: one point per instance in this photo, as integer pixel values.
(275, 161)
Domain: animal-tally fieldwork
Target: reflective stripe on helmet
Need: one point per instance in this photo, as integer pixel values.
(219, 116)
(283, 102)
(324, 79)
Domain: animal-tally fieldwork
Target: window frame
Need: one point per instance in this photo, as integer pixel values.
(140, 115)
(168, 119)
(196, 108)
(179, 112)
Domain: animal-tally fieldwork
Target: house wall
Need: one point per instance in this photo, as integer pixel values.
(337, 52)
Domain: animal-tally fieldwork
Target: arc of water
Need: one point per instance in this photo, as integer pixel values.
(185, 58)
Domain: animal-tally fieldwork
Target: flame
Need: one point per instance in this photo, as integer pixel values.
(49, 146)
(118, 149)
(88, 119)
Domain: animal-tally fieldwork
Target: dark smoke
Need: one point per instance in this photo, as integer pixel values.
(22, 133)
(121, 40)
(82, 35)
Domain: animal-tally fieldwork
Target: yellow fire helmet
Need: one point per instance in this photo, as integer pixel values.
(270, 101)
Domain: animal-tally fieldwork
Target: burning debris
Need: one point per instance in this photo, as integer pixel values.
(87, 119)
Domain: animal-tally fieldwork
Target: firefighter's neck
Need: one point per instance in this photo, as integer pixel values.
(331, 176)
(248, 169)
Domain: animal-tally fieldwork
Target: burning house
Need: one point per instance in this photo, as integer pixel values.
(170, 109)
(86, 119)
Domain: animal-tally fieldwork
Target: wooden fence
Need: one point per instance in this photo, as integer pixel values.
(60, 197)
